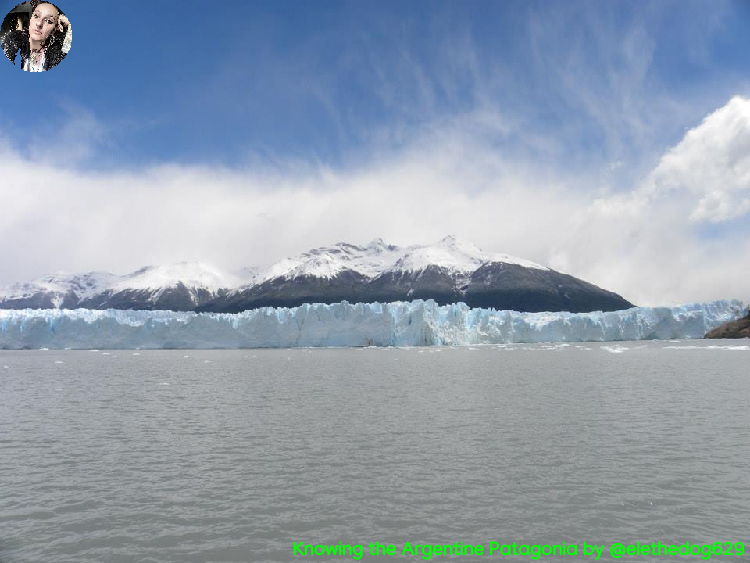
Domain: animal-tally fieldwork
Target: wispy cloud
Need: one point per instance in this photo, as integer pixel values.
(71, 136)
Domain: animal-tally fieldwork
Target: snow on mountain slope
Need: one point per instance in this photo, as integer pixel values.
(328, 261)
(59, 285)
(455, 255)
(197, 275)
(377, 257)
(247, 275)
(194, 281)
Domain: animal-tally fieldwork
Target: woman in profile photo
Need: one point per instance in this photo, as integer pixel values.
(44, 42)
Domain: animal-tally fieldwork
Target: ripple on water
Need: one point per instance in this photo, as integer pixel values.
(230, 458)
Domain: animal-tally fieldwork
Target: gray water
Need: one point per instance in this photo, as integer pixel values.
(235, 455)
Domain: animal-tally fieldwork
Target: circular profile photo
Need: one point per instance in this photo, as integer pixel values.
(37, 34)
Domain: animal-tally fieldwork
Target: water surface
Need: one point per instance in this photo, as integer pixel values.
(227, 456)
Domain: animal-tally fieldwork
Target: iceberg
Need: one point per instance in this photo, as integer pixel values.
(416, 323)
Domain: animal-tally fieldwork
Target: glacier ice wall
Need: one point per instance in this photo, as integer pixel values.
(418, 323)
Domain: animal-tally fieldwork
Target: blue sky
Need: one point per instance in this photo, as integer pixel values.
(545, 106)
(327, 80)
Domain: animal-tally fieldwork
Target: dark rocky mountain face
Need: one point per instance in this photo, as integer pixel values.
(433, 282)
(282, 292)
(510, 286)
(41, 300)
(735, 329)
(178, 298)
(494, 285)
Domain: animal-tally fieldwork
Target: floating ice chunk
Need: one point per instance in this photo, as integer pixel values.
(555, 347)
(615, 349)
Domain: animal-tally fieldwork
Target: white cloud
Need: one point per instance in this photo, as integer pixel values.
(706, 175)
(451, 179)
(711, 166)
(654, 241)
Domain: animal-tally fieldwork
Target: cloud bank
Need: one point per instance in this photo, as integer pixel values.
(681, 234)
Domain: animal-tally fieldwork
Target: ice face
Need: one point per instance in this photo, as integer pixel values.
(418, 323)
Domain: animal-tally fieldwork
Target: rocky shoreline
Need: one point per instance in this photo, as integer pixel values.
(734, 329)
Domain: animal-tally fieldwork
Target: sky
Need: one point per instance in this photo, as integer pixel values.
(607, 140)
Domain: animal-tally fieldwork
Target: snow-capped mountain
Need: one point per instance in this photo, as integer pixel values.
(377, 257)
(330, 261)
(453, 255)
(54, 291)
(448, 271)
(179, 287)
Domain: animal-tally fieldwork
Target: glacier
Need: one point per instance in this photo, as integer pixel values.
(416, 323)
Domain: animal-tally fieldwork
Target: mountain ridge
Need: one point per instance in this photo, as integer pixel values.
(449, 271)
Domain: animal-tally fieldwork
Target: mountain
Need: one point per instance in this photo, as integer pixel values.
(739, 328)
(448, 271)
(54, 291)
(178, 287)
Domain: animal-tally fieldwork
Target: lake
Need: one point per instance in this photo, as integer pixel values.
(229, 456)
